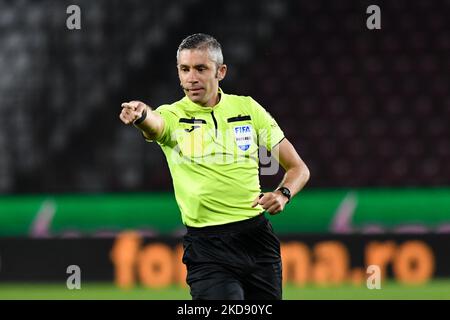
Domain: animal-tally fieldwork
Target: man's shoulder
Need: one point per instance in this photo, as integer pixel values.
(176, 107)
(241, 102)
(245, 103)
(239, 98)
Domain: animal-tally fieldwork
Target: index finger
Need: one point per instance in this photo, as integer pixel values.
(129, 105)
(255, 202)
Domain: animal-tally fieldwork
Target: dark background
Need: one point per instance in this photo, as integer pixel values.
(51, 257)
(364, 108)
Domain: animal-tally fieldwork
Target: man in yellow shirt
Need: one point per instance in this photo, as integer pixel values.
(212, 142)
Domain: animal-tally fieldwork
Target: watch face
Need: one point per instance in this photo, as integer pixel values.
(286, 192)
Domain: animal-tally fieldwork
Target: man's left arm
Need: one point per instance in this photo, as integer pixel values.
(295, 178)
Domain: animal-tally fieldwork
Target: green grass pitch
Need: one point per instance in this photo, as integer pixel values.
(436, 289)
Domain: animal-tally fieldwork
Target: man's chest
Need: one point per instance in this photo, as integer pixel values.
(216, 133)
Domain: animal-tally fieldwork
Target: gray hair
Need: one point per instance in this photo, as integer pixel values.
(203, 41)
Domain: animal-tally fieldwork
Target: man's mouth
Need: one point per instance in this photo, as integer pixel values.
(194, 90)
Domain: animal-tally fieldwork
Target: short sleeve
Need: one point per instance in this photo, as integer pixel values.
(268, 131)
(170, 122)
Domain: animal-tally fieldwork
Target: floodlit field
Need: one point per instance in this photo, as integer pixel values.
(437, 289)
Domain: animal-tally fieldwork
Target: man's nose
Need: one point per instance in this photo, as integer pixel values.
(192, 77)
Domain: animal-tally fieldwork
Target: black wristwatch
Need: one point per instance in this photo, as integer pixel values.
(286, 192)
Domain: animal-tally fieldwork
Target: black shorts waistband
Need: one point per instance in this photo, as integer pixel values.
(229, 227)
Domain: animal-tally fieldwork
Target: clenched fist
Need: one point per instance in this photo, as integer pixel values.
(272, 202)
(132, 111)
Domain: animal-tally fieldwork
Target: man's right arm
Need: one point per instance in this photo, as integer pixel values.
(142, 117)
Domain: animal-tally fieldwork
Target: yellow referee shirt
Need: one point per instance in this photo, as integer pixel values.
(212, 153)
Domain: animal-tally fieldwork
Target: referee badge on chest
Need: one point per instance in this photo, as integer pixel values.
(243, 135)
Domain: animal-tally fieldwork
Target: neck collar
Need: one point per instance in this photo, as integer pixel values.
(192, 106)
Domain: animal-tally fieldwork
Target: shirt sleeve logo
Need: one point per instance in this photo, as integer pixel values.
(243, 136)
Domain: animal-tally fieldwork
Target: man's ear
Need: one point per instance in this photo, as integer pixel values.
(221, 71)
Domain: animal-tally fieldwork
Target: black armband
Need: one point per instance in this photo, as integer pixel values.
(142, 118)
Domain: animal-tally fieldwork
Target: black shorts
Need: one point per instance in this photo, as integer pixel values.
(235, 261)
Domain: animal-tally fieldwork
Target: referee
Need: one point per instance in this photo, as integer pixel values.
(211, 141)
